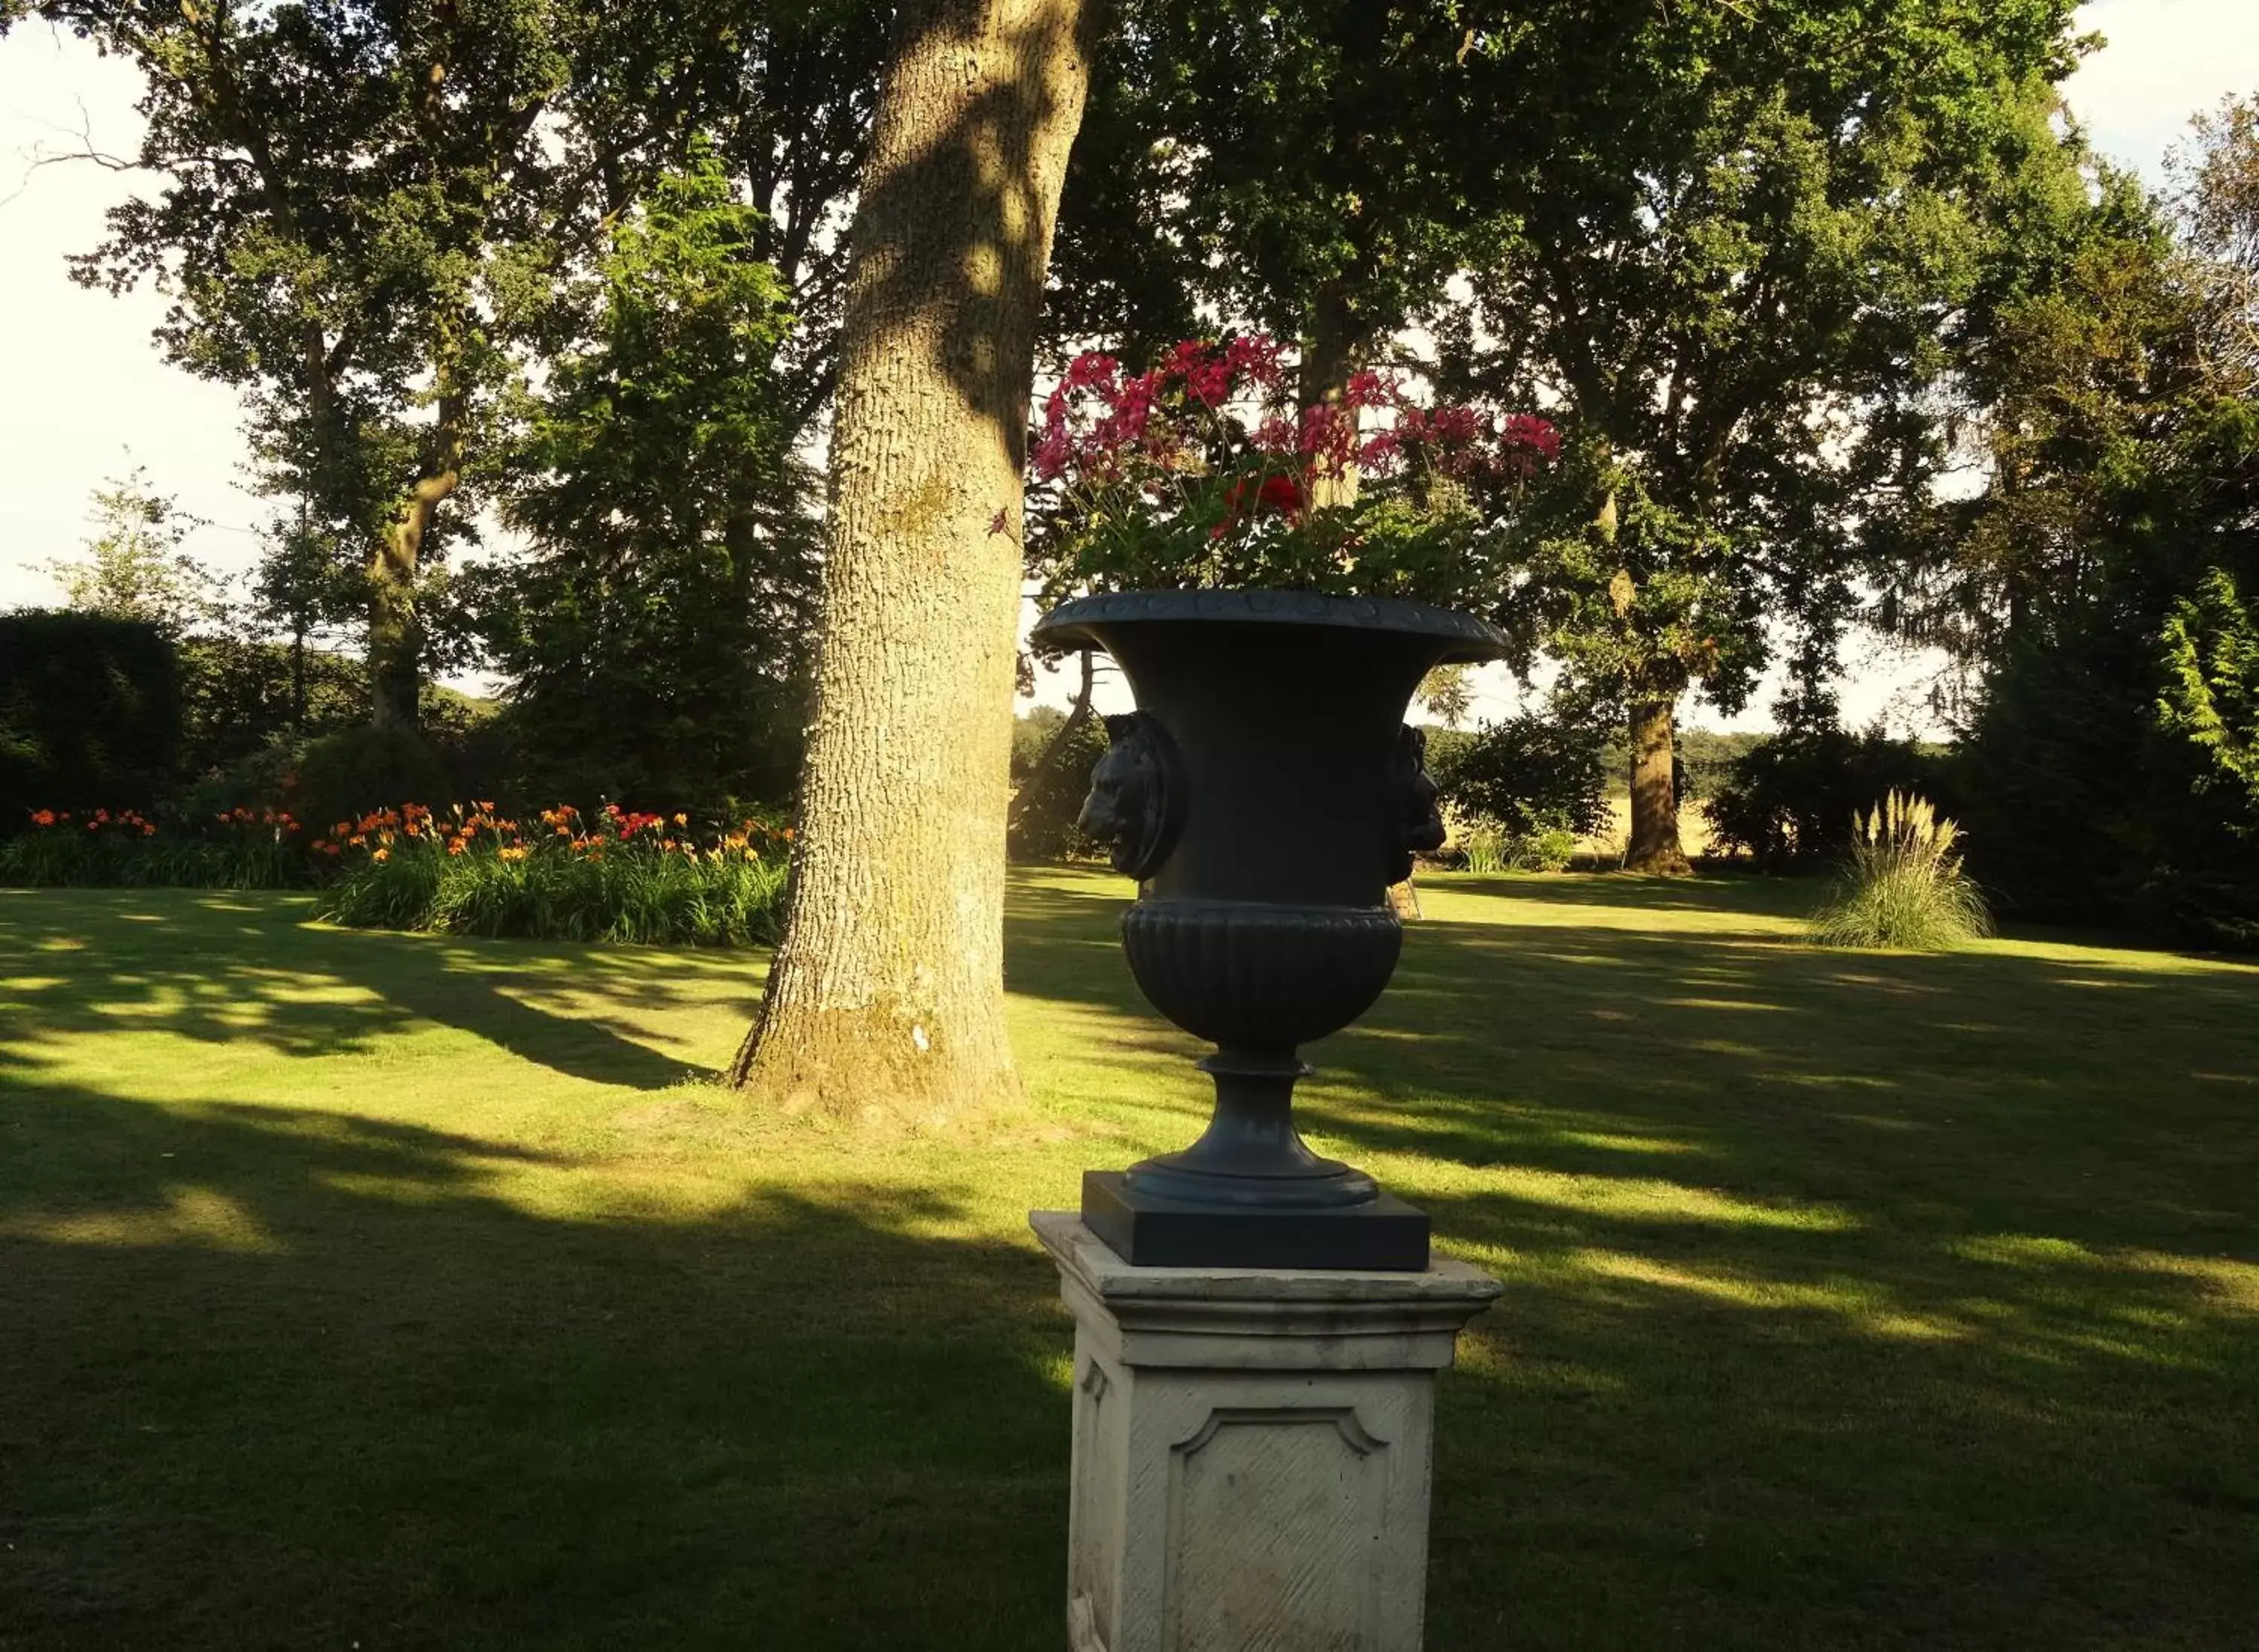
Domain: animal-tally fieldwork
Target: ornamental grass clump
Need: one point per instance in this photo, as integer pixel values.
(1903, 889)
(646, 879)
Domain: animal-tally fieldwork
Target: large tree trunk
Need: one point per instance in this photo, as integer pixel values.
(396, 631)
(1329, 358)
(886, 1001)
(1654, 798)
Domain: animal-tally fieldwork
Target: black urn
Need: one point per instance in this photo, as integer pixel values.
(1265, 793)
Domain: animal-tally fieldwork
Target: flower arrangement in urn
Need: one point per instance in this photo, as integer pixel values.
(1255, 574)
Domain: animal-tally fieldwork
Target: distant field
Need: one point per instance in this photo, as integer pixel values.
(1693, 829)
(398, 1292)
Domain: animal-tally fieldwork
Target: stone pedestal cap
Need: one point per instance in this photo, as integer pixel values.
(1264, 1319)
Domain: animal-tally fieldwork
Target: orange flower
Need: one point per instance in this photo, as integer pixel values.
(382, 854)
(455, 847)
(43, 817)
(148, 830)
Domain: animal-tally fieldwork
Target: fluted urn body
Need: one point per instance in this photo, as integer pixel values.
(1265, 793)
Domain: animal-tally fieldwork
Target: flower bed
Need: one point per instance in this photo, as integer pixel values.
(100, 849)
(614, 876)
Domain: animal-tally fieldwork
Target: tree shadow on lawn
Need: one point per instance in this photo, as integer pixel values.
(292, 1380)
(1852, 1300)
(302, 989)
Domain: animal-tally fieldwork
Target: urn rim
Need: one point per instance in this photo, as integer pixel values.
(1077, 623)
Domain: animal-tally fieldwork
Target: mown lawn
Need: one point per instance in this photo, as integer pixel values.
(374, 1290)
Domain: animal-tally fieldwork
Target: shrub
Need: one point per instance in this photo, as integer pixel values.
(89, 713)
(615, 877)
(1049, 795)
(2102, 773)
(1904, 888)
(1528, 776)
(240, 694)
(345, 775)
(1489, 849)
(1793, 798)
(243, 849)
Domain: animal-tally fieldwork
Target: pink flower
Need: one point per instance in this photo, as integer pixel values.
(1537, 435)
(1327, 436)
(1183, 358)
(1454, 426)
(1209, 383)
(1254, 356)
(1091, 370)
(1053, 451)
(1380, 452)
(1275, 435)
(1369, 388)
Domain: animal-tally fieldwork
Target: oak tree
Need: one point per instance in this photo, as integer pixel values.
(884, 1001)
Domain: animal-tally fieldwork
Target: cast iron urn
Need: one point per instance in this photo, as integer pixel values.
(1265, 793)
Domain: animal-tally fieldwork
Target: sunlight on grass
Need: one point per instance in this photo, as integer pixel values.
(444, 1269)
(1849, 1300)
(195, 1218)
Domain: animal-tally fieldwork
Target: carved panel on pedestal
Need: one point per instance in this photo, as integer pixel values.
(1094, 1521)
(1275, 1533)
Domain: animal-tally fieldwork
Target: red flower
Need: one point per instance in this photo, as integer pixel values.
(1281, 494)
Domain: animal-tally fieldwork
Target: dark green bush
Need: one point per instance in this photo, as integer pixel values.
(2112, 775)
(1050, 797)
(89, 714)
(241, 696)
(1792, 800)
(344, 776)
(1529, 776)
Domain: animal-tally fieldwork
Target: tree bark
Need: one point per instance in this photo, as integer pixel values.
(1654, 848)
(1329, 358)
(395, 632)
(885, 1005)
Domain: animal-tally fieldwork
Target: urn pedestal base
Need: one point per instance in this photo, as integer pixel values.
(1148, 1231)
(1252, 1449)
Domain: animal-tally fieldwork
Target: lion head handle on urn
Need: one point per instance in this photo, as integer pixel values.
(1135, 805)
(1420, 815)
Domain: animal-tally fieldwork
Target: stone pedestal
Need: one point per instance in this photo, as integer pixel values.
(1252, 1451)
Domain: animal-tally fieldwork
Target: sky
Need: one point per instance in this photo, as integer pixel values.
(84, 395)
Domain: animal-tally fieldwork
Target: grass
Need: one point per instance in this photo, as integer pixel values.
(409, 1291)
